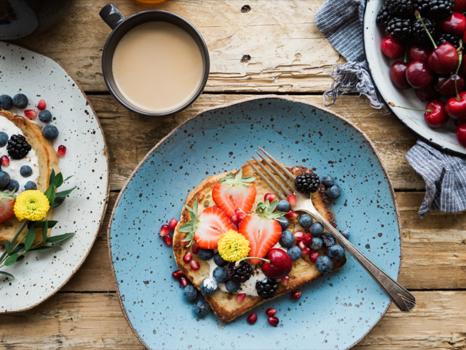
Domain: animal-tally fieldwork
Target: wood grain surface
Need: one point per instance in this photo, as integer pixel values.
(257, 47)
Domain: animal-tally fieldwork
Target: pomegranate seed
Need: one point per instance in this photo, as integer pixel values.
(291, 215)
(240, 214)
(307, 239)
(313, 256)
(183, 281)
(271, 312)
(306, 251)
(298, 236)
(177, 274)
(5, 161)
(302, 245)
(273, 321)
(296, 294)
(61, 150)
(234, 219)
(269, 197)
(240, 297)
(194, 265)
(164, 231)
(172, 224)
(41, 105)
(291, 199)
(168, 241)
(195, 249)
(252, 318)
(30, 114)
(285, 280)
(187, 257)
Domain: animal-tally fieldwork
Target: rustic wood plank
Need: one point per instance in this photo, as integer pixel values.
(130, 136)
(273, 47)
(95, 321)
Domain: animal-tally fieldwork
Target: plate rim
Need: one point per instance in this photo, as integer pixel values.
(366, 30)
(107, 190)
(224, 106)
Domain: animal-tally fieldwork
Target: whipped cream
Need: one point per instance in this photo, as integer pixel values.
(31, 159)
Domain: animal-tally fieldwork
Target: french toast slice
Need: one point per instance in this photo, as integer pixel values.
(47, 159)
(228, 307)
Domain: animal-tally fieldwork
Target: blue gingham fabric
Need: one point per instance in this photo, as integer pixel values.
(341, 22)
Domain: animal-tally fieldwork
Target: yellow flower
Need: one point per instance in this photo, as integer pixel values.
(31, 205)
(233, 246)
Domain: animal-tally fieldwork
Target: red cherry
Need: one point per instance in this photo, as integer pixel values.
(280, 264)
(456, 107)
(444, 59)
(455, 24)
(252, 318)
(418, 54)
(426, 93)
(461, 134)
(61, 151)
(398, 75)
(418, 75)
(435, 114)
(460, 6)
(450, 86)
(391, 48)
(273, 321)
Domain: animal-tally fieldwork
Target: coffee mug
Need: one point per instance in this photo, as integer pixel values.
(121, 26)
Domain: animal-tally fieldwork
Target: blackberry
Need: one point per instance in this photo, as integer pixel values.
(267, 288)
(307, 183)
(18, 147)
(383, 17)
(450, 38)
(419, 33)
(400, 8)
(240, 273)
(435, 9)
(400, 28)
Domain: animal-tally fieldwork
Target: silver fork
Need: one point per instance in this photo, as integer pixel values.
(281, 181)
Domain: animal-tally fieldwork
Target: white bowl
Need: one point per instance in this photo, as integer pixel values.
(399, 100)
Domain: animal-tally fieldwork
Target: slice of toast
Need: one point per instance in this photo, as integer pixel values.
(227, 306)
(47, 159)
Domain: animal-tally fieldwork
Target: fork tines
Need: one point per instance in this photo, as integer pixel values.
(278, 177)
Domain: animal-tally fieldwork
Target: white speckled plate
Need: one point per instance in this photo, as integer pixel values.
(41, 275)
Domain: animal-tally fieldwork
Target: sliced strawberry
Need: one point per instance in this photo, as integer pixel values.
(261, 230)
(7, 202)
(234, 192)
(213, 223)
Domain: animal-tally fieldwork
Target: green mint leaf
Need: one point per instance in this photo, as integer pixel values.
(59, 239)
(11, 259)
(58, 181)
(65, 193)
(29, 239)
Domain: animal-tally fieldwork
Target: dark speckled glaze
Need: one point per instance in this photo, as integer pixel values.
(335, 312)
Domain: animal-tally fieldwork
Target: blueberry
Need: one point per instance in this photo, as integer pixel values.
(346, 233)
(30, 185)
(50, 132)
(327, 181)
(284, 223)
(317, 229)
(4, 179)
(6, 102)
(317, 243)
(3, 138)
(283, 206)
(220, 274)
(205, 254)
(305, 220)
(45, 116)
(324, 264)
(294, 253)
(219, 261)
(201, 309)
(333, 192)
(25, 171)
(336, 252)
(13, 186)
(328, 240)
(208, 286)
(232, 286)
(190, 293)
(20, 100)
(287, 239)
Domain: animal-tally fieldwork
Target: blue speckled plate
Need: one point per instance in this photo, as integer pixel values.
(335, 312)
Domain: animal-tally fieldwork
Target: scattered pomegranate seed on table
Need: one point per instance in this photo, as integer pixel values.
(177, 274)
(5, 161)
(61, 150)
(252, 318)
(273, 321)
(271, 312)
(41, 105)
(30, 114)
(172, 224)
(168, 241)
(164, 230)
(183, 281)
(296, 294)
(194, 265)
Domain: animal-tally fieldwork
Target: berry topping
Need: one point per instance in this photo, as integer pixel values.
(252, 318)
(41, 105)
(13, 186)
(328, 239)
(316, 229)
(61, 151)
(7, 202)
(232, 286)
(280, 264)
(270, 197)
(208, 286)
(190, 293)
(193, 264)
(333, 192)
(287, 239)
(188, 257)
(283, 206)
(336, 252)
(25, 171)
(220, 274)
(235, 192)
(324, 264)
(3, 138)
(201, 309)
(50, 132)
(313, 256)
(294, 253)
(219, 261)
(20, 101)
(45, 116)
(317, 243)
(267, 288)
(241, 272)
(4, 179)
(18, 147)
(30, 185)
(233, 246)
(30, 114)
(5, 160)
(305, 220)
(205, 254)
(284, 222)
(6, 102)
(307, 183)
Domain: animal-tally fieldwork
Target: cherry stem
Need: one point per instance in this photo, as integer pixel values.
(460, 62)
(252, 257)
(408, 108)
(419, 18)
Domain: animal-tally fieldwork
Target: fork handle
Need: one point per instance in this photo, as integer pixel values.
(403, 299)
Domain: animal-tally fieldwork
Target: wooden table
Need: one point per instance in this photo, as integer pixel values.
(257, 47)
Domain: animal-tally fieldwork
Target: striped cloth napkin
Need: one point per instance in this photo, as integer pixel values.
(341, 22)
